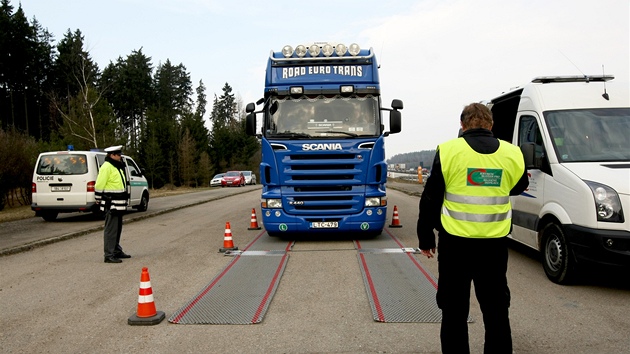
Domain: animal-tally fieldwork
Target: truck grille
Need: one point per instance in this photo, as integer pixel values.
(326, 184)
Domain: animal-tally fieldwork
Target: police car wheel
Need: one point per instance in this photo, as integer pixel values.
(144, 203)
(49, 215)
(556, 255)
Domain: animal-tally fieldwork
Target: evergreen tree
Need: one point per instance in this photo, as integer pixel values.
(128, 87)
(173, 89)
(25, 62)
(186, 159)
(231, 147)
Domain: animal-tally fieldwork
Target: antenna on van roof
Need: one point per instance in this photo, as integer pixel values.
(574, 65)
(605, 94)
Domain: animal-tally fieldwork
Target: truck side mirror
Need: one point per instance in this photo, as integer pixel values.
(250, 107)
(250, 123)
(395, 121)
(528, 150)
(397, 104)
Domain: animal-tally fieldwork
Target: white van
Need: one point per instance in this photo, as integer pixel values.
(575, 135)
(63, 182)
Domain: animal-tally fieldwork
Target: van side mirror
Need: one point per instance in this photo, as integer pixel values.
(528, 150)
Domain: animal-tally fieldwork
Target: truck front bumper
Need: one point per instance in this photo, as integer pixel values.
(369, 221)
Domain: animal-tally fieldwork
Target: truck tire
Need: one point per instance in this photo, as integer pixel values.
(557, 258)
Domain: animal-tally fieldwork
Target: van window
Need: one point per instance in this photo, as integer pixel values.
(590, 135)
(529, 132)
(62, 164)
(133, 169)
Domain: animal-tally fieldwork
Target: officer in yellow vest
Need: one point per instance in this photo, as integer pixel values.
(112, 194)
(466, 199)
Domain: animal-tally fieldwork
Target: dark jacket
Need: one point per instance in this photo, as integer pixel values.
(483, 142)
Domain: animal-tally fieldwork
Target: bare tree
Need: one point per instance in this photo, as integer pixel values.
(79, 112)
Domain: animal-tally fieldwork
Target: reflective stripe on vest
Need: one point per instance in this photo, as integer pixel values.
(477, 202)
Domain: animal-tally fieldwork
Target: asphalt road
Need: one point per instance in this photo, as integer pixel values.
(61, 297)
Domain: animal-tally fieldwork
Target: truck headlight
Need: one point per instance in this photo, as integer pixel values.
(375, 201)
(272, 203)
(607, 203)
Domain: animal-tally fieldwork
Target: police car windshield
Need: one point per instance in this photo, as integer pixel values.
(323, 117)
(590, 135)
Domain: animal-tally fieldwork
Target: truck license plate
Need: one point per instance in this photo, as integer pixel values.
(60, 188)
(324, 225)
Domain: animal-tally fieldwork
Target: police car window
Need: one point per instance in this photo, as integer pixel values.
(70, 164)
(133, 169)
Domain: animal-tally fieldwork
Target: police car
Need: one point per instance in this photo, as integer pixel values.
(63, 182)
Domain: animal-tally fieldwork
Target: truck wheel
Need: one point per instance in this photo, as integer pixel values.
(49, 215)
(144, 202)
(557, 258)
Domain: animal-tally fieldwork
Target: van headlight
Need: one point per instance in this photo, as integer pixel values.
(607, 202)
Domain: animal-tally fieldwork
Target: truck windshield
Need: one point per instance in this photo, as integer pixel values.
(590, 135)
(323, 117)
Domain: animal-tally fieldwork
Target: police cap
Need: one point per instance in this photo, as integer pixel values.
(114, 149)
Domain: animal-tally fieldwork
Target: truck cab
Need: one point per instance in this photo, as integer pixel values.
(573, 132)
(322, 133)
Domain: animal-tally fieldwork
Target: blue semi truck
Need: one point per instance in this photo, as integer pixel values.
(323, 166)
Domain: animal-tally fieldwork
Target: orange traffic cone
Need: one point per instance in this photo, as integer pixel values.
(254, 223)
(146, 314)
(228, 244)
(395, 220)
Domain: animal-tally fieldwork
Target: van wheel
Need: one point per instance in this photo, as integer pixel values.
(144, 202)
(557, 258)
(49, 215)
(99, 214)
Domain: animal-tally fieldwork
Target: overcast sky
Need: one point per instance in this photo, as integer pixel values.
(435, 55)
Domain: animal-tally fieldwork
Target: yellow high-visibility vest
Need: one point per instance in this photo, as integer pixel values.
(477, 198)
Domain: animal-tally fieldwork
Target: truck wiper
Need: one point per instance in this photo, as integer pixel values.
(336, 131)
(291, 135)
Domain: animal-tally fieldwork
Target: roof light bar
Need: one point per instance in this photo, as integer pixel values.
(321, 51)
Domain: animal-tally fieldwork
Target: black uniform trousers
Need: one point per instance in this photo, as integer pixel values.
(113, 230)
(464, 260)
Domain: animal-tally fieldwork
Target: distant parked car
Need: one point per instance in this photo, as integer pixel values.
(233, 179)
(216, 180)
(250, 177)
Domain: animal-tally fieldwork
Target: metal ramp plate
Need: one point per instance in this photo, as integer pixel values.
(398, 287)
(242, 291)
